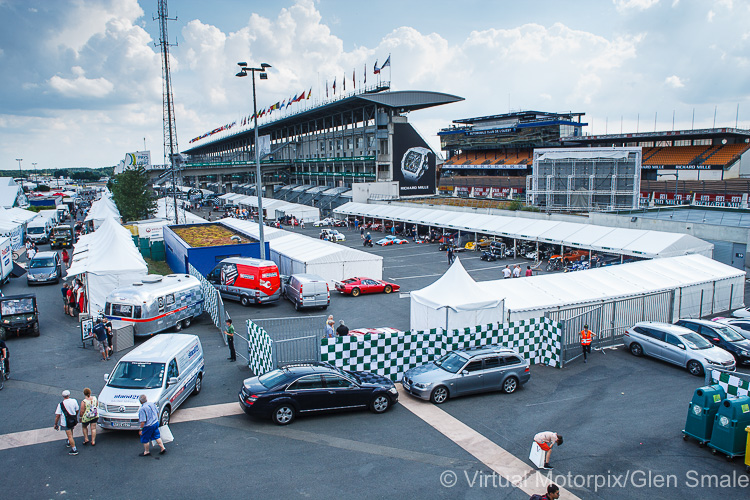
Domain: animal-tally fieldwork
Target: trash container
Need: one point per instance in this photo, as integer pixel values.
(728, 435)
(701, 411)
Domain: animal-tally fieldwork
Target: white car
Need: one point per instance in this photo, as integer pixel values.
(332, 235)
(323, 222)
(742, 313)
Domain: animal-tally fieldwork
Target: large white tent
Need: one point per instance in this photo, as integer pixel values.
(296, 253)
(274, 208)
(102, 209)
(454, 301)
(108, 259)
(621, 241)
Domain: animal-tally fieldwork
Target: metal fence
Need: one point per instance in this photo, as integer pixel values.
(608, 320)
(295, 339)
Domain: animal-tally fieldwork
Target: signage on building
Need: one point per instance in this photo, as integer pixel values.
(491, 131)
(413, 162)
(718, 200)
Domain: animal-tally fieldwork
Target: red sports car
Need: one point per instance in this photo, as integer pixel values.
(357, 286)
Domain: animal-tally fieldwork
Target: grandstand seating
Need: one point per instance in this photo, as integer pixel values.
(687, 155)
(492, 157)
(724, 154)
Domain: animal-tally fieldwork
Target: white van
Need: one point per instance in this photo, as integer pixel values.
(307, 290)
(38, 229)
(167, 369)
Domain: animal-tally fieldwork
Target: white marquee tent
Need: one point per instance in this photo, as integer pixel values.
(101, 209)
(454, 301)
(274, 208)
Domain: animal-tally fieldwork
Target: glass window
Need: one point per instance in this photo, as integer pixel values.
(170, 299)
(492, 362)
(122, 310)
(172, 370)
(729, 334)
(336, 382)
(695, 341)
(690, 326)
(451, 362)
(474, 366)
(9, 307)
(137, 375)
(671, 339)
(657, 334)
(37, 263)
(307, 383)
(273, 378)
(511, 360)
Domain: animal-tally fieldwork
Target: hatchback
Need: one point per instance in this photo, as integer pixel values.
(467, 372)
(720, 335)
(45, 267)
(677, 345)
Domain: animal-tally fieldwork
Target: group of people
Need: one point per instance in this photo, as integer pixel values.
(69, 413)
(340, 331)
(31, 249)
(74, 298)
(516, 271)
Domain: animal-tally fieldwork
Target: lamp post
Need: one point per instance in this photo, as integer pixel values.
(34, 165)
(19, 160)
(263, 76)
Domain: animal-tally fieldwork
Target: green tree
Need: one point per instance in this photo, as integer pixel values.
(60, 173)
(132, 194)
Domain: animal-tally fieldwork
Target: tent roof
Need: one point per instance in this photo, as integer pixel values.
(108, 250)
(635, 242)
(455, 290)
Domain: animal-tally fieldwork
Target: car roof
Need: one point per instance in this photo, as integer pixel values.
(704, 322)
(44, 255)
(667, 327)
(161, 347)
(480, 351)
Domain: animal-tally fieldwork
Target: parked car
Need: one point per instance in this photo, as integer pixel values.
(307, 290)
(293, 390)
(742, 325)
(381, 330)
(391, 240)
(324, 222)
(18, 314)
(677, 345)
(357, 286)
(45, 267)
(722, 336)
(481, 243)
(742, 313)
(332, 235)
(467, 372)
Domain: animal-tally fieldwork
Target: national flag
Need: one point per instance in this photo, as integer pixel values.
(301, 96)
(309, 94)
(244, 121)
(354, 79)
(291, 100)
(344, 80)
(365, 73)
(375, 69)
(326, 89)
(334, 86)
(387, 62)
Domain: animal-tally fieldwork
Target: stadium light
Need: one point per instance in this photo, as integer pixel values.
(263, 76)
(19, 160)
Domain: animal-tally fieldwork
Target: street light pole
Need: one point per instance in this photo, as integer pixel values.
(34, 164)
(19, 160)
(263, 76)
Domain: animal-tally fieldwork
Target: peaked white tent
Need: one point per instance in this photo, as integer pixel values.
(102, 209)
(108, 259)
(454, 301)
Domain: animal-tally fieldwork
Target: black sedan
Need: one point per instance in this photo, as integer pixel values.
(305, 388)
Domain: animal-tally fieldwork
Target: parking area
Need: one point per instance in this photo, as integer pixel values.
(621, 417)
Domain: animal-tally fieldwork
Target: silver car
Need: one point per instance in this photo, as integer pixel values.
(677, 345)
(467, 372)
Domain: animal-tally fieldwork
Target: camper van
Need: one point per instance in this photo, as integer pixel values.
(167, 369)
(250, 281)
(38, 228)
(156, 303)
(307, 290)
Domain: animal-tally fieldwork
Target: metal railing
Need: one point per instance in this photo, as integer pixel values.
(295, 339)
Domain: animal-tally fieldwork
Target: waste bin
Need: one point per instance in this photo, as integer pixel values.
(701, 411)
(728, 435)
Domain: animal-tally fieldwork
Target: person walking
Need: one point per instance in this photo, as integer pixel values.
(32, 251)
(148, 417)
(65, 258)
(586, 337)
(100, 331)
(553, 493)
(517, 271)
(66, 419)
(449, 251)
(229, 332)
(546, 440)
(529, 272)
(506, 272)
(329, 326)
(5, 358)
(342, 329)
(89, 416)
(66, 302)
(72, 300)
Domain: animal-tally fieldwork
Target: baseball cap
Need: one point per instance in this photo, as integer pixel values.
(66, 393)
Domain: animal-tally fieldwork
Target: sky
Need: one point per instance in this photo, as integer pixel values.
(80, 80)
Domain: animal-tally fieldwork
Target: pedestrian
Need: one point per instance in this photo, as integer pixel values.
(108, 326)
(506, 272)
(329, 326)
(148, 416)
(362, 232)
(356, 224)
(32, 251)
(586, 337)
(66, 419)
(529, 272)
(553, 493)
(66, 303)
(449, 251)
(229, 332)
(65, 258)
(5, 358)
(72, 300)
(546, 440)
(302, 223)
(342, 329)
(517, 271)
(89, 416)
(100, 332)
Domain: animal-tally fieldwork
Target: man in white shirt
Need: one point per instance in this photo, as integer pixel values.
(546, 440)
(517, 271)
(66, 419)
(506, 272)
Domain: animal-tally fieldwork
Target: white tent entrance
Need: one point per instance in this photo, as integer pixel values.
(454, 302)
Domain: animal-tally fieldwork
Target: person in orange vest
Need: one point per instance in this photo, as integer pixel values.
(586, 337)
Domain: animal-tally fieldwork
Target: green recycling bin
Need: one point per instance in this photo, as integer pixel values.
(728, 435)
(701, 411)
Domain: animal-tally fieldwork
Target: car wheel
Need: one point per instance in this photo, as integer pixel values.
(636, 349)
(35, 329)
(164, 417)
(245, 301)
(510, 385)
(283, 415)
(380, 403)
(178, 326)
(439, 395)
(388, 289)
(198, 384)
(695, 368)
(187, 322)
(355, 292)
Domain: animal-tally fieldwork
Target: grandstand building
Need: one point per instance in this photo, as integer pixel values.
(359, 137)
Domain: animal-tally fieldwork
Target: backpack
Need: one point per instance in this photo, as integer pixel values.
(538, 497)
(70, 420)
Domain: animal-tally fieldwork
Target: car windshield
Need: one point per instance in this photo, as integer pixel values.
(695, 341)
(137, 375)
(37, 263)
(730, 333)
(273, 378)
(451, 362)
(35, 230)
(9, 307)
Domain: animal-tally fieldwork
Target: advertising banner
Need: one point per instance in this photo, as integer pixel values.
(264, 145)
(413, 162)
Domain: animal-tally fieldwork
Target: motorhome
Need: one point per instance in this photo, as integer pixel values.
(156, 303)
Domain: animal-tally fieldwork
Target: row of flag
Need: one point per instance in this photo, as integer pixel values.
(302, 96)
(375, 71)
(214, 131)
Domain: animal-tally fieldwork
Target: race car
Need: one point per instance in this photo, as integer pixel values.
(357, 286)
(383, 330)
(391, 240)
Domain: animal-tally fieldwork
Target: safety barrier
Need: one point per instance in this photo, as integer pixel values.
(734, 384)
(259, 349)
(212, 302)
(537, 340)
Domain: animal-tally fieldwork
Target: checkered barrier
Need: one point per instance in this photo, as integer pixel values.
(259, 349)
(212, 302)
(734, 384)
(537, 340)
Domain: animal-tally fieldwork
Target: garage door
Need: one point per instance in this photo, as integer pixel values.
(729, 253)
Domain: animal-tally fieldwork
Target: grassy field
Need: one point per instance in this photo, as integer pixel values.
(157, 267)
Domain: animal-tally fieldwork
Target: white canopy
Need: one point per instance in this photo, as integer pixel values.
(109, 259)
(621, 241)
(295, 253)
(185, 216)
(102, 209)
(274, 208)
(17, 214)
(454, 301)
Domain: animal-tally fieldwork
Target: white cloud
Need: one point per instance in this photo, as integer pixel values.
(710, 16)
(674, 81)
(80, 86)
(625, 5)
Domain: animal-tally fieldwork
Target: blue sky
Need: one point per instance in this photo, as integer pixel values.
(81, 79)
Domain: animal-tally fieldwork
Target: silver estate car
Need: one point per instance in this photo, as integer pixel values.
(467, 372)
(677, 345)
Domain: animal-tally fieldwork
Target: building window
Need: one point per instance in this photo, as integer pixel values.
(360, 142)
(702, 142)
(663, 144)
(383, 146)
